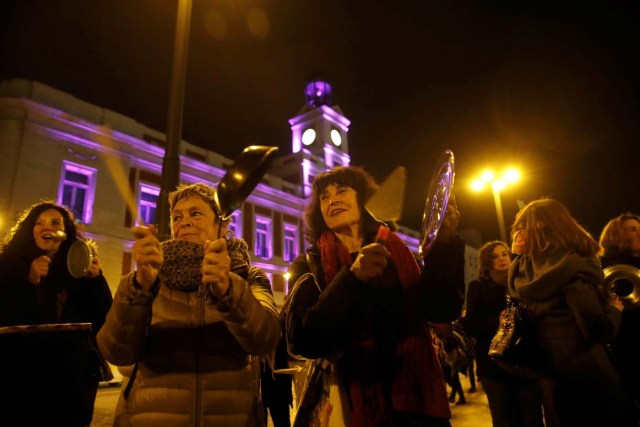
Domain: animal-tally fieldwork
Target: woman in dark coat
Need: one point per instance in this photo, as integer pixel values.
(620, 244)
(558, 277)
(514, 401)
(52, 377)
(368, 310)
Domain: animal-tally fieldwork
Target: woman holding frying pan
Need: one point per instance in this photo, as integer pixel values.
(194, 317)
(52, 369)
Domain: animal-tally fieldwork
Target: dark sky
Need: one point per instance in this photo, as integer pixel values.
(551, 87)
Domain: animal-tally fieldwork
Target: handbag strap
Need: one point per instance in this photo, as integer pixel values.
(132, 378)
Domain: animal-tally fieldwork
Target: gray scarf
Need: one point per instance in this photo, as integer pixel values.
(182, 266)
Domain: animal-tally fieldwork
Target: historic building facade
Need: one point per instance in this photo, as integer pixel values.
(107, 168)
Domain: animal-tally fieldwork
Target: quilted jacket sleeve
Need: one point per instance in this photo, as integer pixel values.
(121, 338)
(250, 312)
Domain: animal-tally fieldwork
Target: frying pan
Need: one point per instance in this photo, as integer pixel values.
(241, 179)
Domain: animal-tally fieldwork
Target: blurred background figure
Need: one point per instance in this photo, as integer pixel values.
(558, 277)
(51, 377)
(513, 400)
(620, 245)
(470, 343)
(457, 359)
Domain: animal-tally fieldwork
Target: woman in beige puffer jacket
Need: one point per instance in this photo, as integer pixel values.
(197, 354)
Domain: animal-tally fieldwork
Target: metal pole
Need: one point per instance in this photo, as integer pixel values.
(498, 201)
(171, 161)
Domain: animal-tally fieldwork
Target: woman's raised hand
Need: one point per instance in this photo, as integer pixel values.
(370, 262)
(147, 254)
(216, 266)
(39, 269)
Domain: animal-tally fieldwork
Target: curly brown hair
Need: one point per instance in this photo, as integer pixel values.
(485, 257)
(349, 176)
(19, 248)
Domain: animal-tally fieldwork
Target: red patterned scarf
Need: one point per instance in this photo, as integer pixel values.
(418, 383)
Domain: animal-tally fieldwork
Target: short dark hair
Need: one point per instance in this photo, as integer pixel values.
(200, 189)
(349, 176)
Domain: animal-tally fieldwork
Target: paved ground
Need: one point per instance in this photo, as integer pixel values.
(475, 413)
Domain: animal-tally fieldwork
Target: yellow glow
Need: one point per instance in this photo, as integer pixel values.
(477, 185)
(511, 175)
(215, 24)
(286, 276)
(499, 184)
(487, 176)
(258, 22)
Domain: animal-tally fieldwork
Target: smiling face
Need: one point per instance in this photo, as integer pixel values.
(631, 229)
(48, 223)
(500, 259)
(193, 219)
(339, 207)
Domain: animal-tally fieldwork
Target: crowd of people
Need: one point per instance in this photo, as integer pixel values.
(378, 332)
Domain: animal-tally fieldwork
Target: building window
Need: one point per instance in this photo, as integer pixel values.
(148, 203)
(290, 239)
(77, 190)
(235, 225)
(263, 238)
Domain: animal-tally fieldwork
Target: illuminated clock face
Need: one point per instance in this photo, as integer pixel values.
(335, 137)
(308, 136)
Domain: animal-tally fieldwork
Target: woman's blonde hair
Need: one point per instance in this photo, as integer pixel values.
(550, 226)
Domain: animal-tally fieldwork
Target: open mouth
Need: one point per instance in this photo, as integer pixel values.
(57, 236)
(337, 212)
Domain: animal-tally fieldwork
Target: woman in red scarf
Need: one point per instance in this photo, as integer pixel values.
(369, 310)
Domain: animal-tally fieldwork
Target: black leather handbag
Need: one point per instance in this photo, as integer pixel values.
(515, 346)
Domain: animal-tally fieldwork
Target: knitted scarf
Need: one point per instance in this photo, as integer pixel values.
(182, 266)
(418, 384)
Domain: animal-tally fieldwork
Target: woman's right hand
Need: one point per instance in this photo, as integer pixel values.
(147, 254)
(370, 262)
(615, 301)
(39, 269)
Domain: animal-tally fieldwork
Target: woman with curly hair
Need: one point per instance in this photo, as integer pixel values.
(367, 304)
(59, 379)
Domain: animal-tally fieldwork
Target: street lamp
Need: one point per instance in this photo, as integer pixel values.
(497, 185)
(171, 161)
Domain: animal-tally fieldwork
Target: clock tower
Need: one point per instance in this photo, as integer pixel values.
(318, 135)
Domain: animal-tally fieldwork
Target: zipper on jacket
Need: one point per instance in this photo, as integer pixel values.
(201, 297)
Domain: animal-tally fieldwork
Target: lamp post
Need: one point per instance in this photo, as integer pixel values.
(171, 161)
(497, 185)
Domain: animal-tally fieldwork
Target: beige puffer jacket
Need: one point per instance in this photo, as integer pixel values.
(198, 361)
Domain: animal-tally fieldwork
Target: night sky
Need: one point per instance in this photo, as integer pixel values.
(551, 89)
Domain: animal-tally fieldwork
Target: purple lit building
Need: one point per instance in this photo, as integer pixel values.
(107, 168)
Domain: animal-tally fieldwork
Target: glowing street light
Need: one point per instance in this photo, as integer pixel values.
(498, 184)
